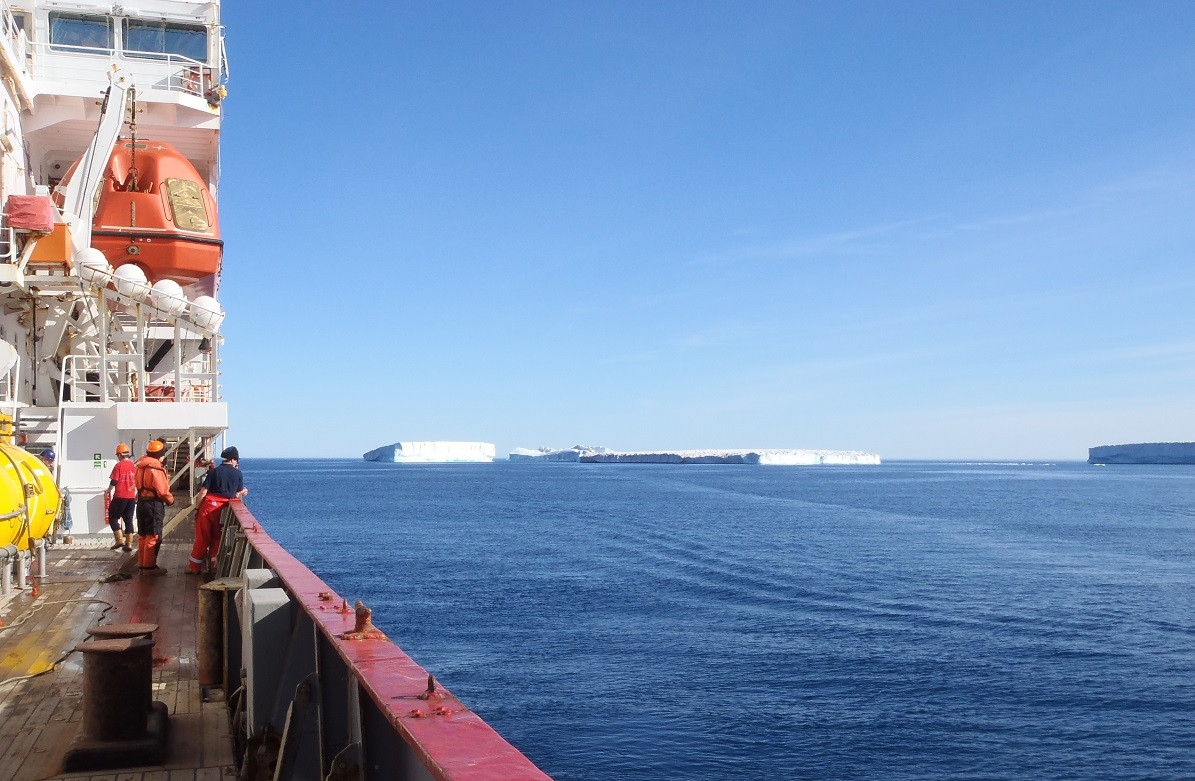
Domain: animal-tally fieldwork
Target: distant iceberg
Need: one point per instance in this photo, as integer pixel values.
(766, 457)
(433, 452)
(572, 454)
(1143, 453)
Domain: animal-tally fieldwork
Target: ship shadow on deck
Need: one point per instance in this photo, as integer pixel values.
(88, 584)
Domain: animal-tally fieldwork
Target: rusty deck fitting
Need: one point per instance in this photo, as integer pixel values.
(364, 629)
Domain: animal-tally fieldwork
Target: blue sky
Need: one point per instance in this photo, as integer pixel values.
(925, 230)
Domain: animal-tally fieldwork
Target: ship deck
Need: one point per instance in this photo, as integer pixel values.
(41, 676)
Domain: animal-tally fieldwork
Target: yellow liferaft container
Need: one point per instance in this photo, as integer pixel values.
(29, 499)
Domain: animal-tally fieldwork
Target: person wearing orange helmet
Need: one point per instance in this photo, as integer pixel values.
(121, 498)
(153, 494)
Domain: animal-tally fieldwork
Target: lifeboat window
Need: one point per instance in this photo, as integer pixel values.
(150, 38)
(77, 33)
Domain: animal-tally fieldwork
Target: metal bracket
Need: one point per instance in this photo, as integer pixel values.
(346, 766)
(261, 755)
(301, 724)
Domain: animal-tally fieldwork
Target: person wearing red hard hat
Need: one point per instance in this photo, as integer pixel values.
(121, 497)
(153, 494)
(220, 486)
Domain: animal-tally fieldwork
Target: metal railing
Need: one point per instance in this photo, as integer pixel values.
(81, 377)
(8, 243)
(324, 695)
(83, 380)
(152, 71)
(15, 42)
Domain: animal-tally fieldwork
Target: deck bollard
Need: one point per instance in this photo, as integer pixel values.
(39, 554)
(124, 631)
(22, 568)
(113, 670)
(211, 636)
(212, 597)
(8, 559)
(122, 726)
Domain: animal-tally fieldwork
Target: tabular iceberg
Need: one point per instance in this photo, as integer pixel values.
(767, 457)
(433, 452)
(1143, 453)
(572, 454)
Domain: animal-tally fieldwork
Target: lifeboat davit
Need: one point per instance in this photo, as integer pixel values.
(155, 211)
(29, 499)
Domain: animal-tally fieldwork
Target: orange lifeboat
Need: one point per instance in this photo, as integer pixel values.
(154, 210)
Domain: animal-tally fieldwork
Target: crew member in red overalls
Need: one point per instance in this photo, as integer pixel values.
(220, 486)
(122, 497)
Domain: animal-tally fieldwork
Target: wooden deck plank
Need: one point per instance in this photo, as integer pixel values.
(194, 696)
(12, 760)
(27, 631)
(16, 714)
(217, 740)
(44, 709)
(66, 704)
(186, 749)
(88, 586)
(46, 757)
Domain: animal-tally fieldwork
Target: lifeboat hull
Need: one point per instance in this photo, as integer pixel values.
(183, 259)
(155, 210)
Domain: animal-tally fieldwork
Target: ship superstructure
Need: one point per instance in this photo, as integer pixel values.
(109, 247)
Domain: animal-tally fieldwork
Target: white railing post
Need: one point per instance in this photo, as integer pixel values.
(103, 312)
(178, 361)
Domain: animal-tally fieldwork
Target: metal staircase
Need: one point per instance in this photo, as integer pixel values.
(37, 428)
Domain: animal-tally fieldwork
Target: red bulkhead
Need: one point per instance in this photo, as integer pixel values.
(155, 210)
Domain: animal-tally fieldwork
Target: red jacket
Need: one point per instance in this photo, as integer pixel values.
(124, 479)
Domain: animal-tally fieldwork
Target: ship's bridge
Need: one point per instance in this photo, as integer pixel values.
(62, 53)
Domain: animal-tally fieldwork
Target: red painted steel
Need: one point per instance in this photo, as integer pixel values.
(454, 743)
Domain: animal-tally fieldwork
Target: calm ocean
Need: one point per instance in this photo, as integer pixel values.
(907, 621)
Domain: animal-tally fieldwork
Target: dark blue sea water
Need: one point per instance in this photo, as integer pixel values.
(908, 621)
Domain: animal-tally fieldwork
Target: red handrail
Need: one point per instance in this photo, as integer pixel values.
(454, 743)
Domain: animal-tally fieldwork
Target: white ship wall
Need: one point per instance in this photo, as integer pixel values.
(433, 452)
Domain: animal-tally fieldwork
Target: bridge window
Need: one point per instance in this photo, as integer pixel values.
(78, 33)
(150, 38)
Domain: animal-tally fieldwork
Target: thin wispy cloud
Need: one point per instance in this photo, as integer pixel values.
(1138, 352)
(861, 241)
(872, 240)
(719, 335)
